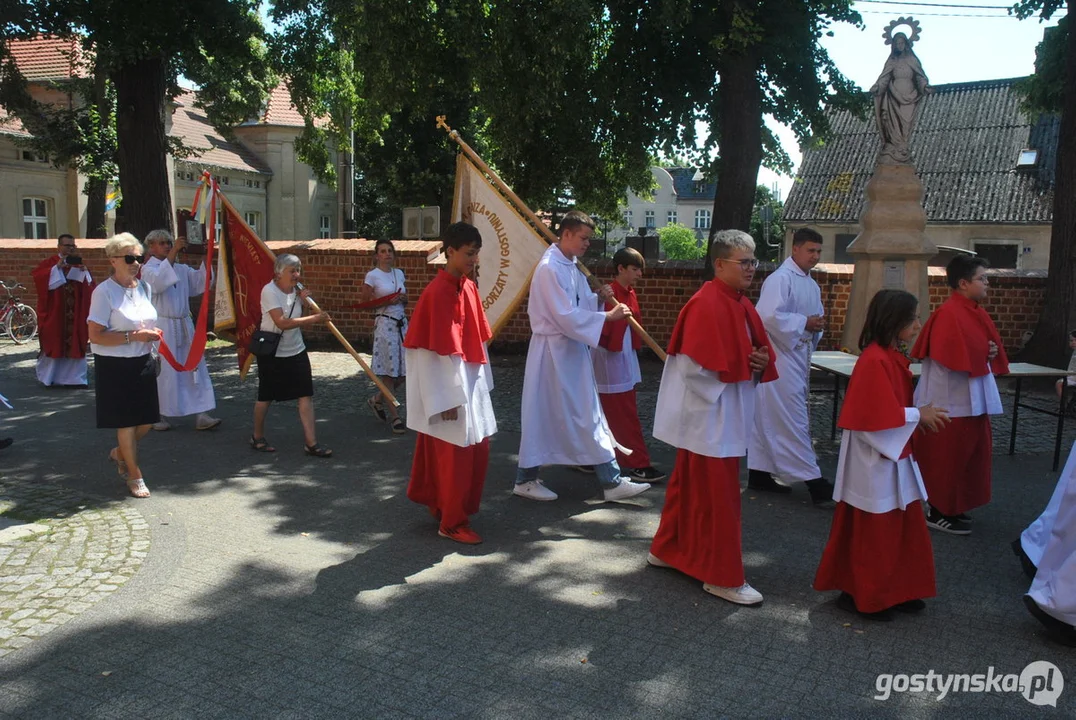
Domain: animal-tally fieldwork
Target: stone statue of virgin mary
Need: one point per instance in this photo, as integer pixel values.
(897, 93)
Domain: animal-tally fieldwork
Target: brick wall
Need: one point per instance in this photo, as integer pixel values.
(334, 269)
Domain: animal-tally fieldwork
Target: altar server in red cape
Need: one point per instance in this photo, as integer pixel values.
(449, 382)
(63, 304)
(961, 352)
(706, 404)
(879, 554)
(616, 370)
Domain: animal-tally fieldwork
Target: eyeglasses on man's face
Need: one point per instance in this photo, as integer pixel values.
(747, 264)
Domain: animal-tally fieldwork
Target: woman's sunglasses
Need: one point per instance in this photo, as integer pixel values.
(130, 259)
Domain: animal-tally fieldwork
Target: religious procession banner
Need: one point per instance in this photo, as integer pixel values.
(505, 266)
(244, 266)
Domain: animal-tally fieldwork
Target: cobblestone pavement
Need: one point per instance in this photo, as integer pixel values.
(80, 551)
(288, 586)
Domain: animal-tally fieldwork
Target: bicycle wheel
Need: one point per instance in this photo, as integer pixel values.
(22, 324)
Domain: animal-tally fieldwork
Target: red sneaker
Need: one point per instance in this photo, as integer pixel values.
(462, 534)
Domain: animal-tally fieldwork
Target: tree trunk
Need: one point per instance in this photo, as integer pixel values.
(740, 102)
(140, 89)
(1049, 344)
(97, 189)
(95, 208)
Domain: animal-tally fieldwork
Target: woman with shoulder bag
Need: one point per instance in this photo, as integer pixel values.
(122, 328)
(284, 371)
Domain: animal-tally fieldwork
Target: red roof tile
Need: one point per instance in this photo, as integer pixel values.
(10, 125)
(191, 126)
(48, 58)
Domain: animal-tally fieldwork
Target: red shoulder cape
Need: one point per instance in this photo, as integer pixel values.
(60, 339)
(957, 336)
(612, 337)
(712, 330)
(878, 391)
(449, 320)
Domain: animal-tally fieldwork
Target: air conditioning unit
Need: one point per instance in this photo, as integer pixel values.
(421, 222)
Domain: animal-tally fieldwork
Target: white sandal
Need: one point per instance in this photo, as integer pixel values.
(137, 488)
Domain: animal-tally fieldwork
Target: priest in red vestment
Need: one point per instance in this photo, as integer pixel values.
(448, 387)
(64, 287)
(718, 352)
(961, 352)
(879, 554)
(616, 371)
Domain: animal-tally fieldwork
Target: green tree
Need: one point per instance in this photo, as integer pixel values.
(679, 242)
(768, 247)
(142, 48)
(1053, 90)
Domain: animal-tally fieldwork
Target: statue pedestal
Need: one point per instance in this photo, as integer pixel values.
(893, 250)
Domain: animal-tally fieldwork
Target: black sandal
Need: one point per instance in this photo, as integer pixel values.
(318, 451)
(261, 445)
(378, 409)
(398, 426)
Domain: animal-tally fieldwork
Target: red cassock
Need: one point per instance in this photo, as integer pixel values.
(699, 533)
(880, 559)
(61, 313)
(449, 320)
(621, 410)
(957, 461)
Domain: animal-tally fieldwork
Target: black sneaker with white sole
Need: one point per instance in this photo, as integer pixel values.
(646, 474)
(943, 523)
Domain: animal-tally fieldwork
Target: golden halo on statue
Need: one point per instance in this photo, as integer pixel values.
(911, 22)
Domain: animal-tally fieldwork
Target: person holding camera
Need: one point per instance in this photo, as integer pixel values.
(64, 287)
(284, 372)
(122, 327)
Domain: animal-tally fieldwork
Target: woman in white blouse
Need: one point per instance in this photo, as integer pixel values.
(390, 326)
(123, 327)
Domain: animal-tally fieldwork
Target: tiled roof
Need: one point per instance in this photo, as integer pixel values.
(11, 125)
(685, 188)
(965, 147)
(191, 126)
(279, 110)
(48, 58)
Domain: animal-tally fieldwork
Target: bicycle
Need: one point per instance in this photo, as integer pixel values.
(18, 320)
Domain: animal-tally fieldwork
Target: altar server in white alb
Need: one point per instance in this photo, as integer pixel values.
(173, 285)
(1047, 550)
(790, 305)
(563, 422)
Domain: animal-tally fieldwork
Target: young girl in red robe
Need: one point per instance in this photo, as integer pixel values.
(879, 554)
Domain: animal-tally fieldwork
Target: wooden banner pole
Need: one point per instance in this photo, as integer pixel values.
(347, 346)
(538, 224)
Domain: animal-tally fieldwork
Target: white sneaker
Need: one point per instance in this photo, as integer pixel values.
(743, 595)
(654, 561)
(205, 422)
(626, 489)
(534, 490)
(161, 426)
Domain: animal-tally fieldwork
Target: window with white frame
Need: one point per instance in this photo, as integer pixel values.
(35, 218)
(702, 219)
(31, 156)
(627, 218)
(670, 217)
(251, 219)
(324, 228)
(648, 217)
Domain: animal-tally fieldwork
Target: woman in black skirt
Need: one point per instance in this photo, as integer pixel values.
(122, 322)
(286, 374)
